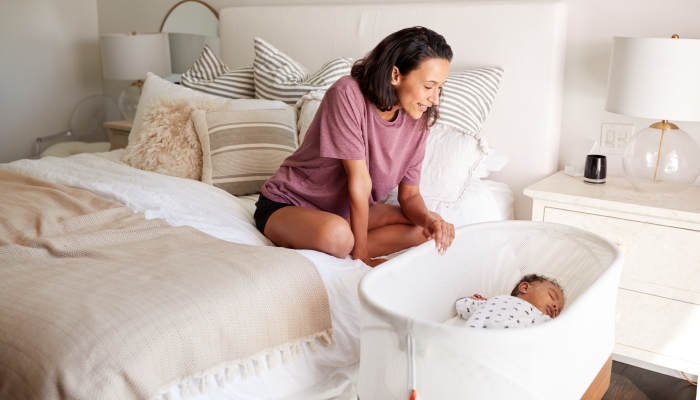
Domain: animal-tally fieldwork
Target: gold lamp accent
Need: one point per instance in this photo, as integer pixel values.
(664, 126)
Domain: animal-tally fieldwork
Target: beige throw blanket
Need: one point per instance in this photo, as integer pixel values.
(98, 303)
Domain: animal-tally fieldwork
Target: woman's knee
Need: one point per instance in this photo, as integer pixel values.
(336, 238)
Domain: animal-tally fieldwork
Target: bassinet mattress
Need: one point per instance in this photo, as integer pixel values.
(323, 373)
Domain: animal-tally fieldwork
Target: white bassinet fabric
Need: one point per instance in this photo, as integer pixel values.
(409, 297)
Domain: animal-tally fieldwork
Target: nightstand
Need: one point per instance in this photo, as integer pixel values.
(118, 133)
(658, 304)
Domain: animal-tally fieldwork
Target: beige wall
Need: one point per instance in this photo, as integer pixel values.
(49, 61)
(592, 24)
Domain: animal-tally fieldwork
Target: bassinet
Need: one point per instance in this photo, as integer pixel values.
(405, 301)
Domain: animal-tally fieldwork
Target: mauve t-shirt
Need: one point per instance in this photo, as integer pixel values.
(348, 126)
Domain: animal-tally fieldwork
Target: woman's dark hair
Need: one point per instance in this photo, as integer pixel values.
(531, 278)
(405, 49)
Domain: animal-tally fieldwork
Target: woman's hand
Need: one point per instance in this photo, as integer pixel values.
(442, 231)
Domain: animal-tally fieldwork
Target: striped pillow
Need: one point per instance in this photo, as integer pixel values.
(467, 97)
(242, 149)
(210, 75)
(279, 77)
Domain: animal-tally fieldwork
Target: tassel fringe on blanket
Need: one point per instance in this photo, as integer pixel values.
(220, 375)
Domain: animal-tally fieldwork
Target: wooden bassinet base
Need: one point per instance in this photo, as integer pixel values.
(600, 384)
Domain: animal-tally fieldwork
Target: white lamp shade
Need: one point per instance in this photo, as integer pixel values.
(185, 49)
(655, 78)
(129, 57)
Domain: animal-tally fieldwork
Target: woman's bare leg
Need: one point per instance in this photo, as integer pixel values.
(392, 238)
(388, 228)
(390, 231)
(304, 228)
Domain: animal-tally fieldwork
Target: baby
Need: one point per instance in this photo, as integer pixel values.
(535, 299)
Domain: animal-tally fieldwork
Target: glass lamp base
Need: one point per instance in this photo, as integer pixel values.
(661, 161)
(129, 101)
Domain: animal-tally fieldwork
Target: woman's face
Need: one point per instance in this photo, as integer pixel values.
(420, 88)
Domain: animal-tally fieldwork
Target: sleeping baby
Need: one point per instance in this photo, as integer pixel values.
(535, 299)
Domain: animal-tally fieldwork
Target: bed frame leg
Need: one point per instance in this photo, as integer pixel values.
(600, 384)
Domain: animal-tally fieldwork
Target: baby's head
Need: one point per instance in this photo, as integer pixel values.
(542, 292)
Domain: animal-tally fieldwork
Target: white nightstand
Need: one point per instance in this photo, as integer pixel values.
(118, 133)
(658, 305)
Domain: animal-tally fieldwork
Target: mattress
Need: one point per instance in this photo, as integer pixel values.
(317, 374)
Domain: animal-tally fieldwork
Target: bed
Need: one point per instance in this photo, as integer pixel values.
(525, 39)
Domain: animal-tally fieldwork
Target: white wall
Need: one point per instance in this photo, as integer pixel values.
(49, 61)
(591, 26)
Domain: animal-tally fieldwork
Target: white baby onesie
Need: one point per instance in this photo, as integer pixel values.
(500, 312)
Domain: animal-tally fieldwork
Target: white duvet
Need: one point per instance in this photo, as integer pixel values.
(320, 374)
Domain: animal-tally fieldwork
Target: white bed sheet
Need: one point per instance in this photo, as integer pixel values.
(320, 374)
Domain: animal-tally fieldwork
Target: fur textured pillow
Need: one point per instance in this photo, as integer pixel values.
(167, 142)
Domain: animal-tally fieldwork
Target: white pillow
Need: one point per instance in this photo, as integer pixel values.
(494, 161)
(155, 87)
(451, 156)
(308, 105)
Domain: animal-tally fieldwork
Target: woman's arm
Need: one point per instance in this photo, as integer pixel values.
(360, 188)
(434, 227)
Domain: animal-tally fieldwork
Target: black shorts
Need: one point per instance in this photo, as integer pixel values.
(263, 209)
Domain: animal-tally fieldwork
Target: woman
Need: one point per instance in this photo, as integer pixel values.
(368, 136)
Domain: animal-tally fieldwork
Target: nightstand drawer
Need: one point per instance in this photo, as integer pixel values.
(657, 254)
(659, 326)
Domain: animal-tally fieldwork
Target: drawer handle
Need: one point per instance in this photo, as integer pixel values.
(622, 247)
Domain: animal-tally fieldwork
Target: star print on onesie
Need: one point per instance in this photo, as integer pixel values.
(504, 312)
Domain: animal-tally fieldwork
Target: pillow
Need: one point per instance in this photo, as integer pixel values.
(278, 77)
(451, 156)
(242, 149)
(156, 86)
(308, 106)
(167, 142)
(210, 75)
(494, 161)
(467, 97)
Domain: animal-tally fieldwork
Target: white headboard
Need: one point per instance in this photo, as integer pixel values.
(526, 38)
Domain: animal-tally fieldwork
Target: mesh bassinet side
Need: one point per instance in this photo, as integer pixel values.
(413, 293)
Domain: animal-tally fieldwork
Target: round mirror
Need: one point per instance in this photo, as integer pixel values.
(192, 16)
(190, 24)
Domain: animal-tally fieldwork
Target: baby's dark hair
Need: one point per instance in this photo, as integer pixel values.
(535, 278)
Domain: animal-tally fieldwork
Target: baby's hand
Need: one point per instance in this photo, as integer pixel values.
(478, 297)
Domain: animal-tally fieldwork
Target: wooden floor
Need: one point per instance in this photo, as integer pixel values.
(632, 383)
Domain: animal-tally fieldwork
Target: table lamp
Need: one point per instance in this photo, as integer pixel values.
(658, 79)
(130, 57)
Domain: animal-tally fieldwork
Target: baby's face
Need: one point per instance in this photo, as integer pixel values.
(545, 296)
